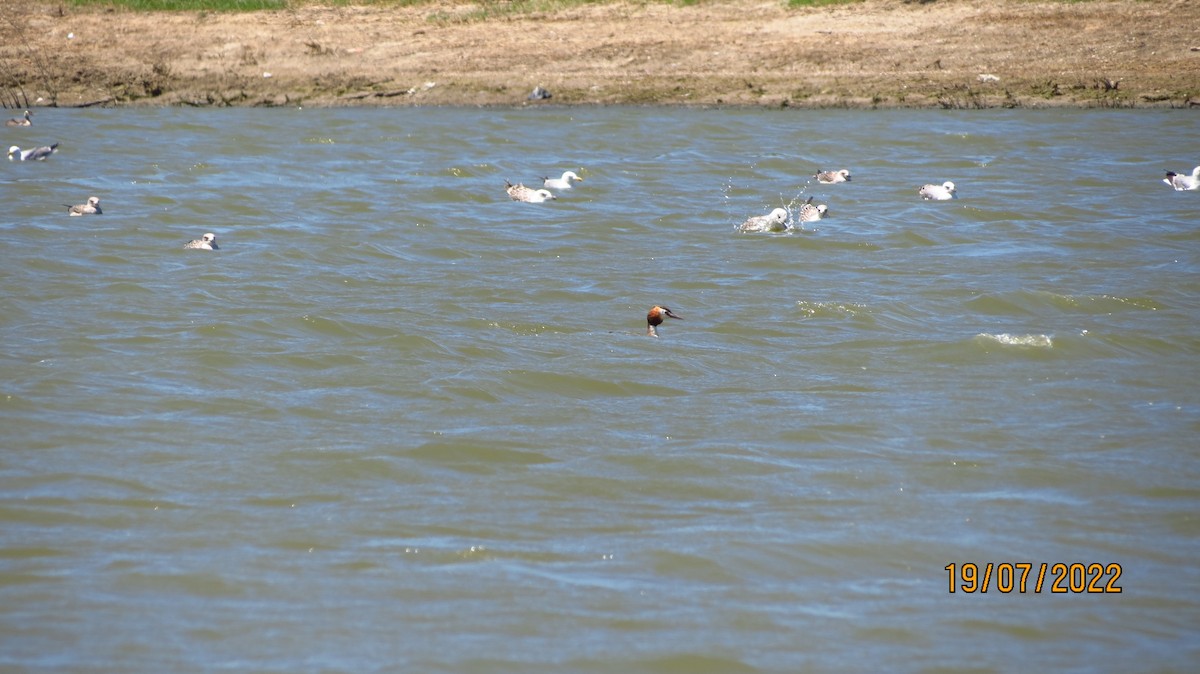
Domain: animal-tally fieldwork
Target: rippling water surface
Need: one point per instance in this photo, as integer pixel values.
(399, 422)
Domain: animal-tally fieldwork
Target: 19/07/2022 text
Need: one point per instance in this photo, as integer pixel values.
(1009, 577)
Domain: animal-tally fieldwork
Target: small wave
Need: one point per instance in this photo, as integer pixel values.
(1033, 341)
(817, 309)
(1038, 301)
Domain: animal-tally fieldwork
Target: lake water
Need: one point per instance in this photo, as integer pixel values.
(401, 423)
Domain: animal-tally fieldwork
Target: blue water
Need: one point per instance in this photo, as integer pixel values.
(399, 422)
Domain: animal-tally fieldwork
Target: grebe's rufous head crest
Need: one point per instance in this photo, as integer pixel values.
(655, 318)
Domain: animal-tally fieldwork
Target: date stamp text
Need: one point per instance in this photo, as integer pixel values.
(1023, 577)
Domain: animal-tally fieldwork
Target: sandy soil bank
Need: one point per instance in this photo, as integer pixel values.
(948, 53)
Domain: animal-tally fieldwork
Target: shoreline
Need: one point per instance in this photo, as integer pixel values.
(949, 54)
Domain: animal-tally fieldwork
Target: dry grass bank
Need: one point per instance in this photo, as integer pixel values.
(948, 53)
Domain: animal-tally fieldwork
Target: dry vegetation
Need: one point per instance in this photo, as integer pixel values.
(948, 53)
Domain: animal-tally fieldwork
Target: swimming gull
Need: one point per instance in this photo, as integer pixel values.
(831, 177)
(812, 213)
(519, 192)
(942, 192)
(563, 183)
(92, 207)
(37, 153)
(206, 242)
(775, 221)
(1183, 183)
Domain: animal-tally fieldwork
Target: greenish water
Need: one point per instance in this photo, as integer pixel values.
(399, 422)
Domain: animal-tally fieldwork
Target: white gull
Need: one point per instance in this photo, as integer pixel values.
(942, 192)
(563, 183)
(1183, 183)
(775, 221)
(37, 153)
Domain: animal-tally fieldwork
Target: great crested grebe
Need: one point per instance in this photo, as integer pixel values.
(24, 121)
(655, 318)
